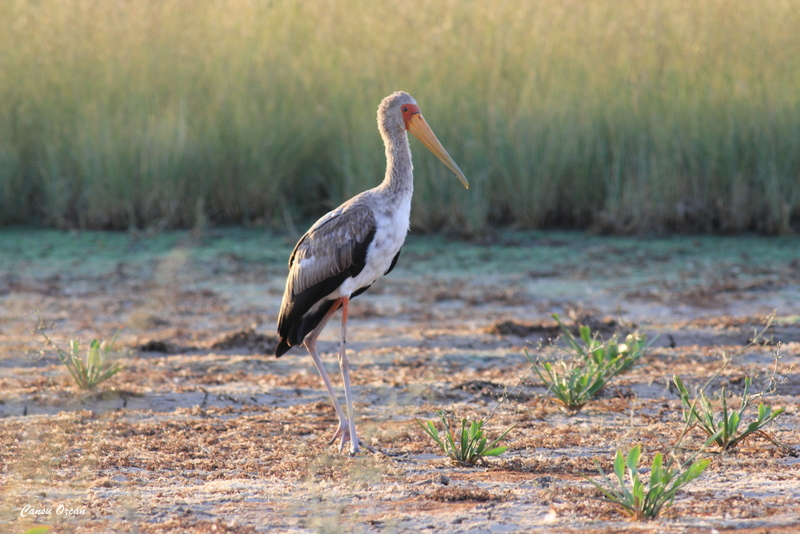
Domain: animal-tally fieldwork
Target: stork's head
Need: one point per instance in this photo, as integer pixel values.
(398, 112)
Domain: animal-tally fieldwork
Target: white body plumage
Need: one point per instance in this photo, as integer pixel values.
(391, 228)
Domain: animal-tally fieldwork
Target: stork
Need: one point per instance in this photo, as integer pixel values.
(349, 248)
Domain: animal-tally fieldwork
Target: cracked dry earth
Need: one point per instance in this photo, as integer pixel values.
(204, 431)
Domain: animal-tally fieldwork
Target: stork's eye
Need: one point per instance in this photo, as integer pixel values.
(405, 109)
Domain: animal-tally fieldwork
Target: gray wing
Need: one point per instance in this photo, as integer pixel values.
(334, 245)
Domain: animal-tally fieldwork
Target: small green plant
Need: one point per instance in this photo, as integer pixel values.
(637, 500)
(723, 429)
(591, 365)
(91, 370)
(468, 446)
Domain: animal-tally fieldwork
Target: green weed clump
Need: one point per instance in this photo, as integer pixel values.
(589, 366)
(91, 369)
(652, 115)
(723, 427)
(467, 446)
(640, 501)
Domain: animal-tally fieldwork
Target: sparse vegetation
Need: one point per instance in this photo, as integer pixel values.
(640, 501)
(590, 365)
(668, 115)
(723, 427)
(92, 369)
(467, 446)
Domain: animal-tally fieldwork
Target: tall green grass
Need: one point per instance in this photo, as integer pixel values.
(639, 115)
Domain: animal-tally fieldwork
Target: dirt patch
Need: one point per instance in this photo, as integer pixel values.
(205, 431)
(246, 340)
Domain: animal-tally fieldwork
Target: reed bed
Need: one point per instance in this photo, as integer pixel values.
(638, 116)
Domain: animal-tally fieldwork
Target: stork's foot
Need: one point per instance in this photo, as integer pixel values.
(343, 432)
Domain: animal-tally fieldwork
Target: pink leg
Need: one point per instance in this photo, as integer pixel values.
(347, 427)
(311, 345)
(344, 364)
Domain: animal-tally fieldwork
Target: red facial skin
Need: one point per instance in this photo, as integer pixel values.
(409, 110)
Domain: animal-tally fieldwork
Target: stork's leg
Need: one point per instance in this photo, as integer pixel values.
(344, 364)
(310, 343)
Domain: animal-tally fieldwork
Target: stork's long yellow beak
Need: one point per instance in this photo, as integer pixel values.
(420, 129)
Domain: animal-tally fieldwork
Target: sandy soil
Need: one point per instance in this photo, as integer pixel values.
(204, 431)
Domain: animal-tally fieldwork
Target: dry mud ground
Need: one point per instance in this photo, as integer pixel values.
(204, 431)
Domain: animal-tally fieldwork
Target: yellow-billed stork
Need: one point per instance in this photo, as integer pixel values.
(346, 250)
